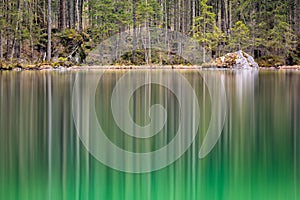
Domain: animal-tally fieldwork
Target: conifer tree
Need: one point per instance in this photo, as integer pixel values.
(205, 29)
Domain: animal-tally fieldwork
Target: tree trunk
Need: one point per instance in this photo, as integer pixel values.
(226, 16)
(204, 50)
(230, 15)
(79, 5)
(1, 45)
(16, 40)
(176, 15)
(187, 16)
(134, 30)
(220, 14)
(148, 45)
(49, 31)
(1, 29)
(72, 14)
(193, 15)
(62, 15)
(297, 17)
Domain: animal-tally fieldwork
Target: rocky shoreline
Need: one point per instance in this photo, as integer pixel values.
(236, 60)
(145, 67)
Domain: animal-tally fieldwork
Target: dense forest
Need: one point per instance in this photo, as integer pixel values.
(40, 30)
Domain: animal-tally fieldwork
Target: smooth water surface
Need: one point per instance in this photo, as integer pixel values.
(256, 157)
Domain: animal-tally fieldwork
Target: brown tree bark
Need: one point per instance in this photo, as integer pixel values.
(62, 15)
(226, 16)
(230, 14)
(219, 3)
(1, 45)
(72, 14)
(1, 28)
(79, 9)
(134, 30)
(49, 31)
(297, 17)
(193, 13)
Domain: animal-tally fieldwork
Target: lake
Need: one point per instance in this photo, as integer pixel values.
(150, 134)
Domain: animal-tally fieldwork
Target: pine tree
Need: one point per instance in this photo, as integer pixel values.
(205, 30)
(240, 37)
(282, 39)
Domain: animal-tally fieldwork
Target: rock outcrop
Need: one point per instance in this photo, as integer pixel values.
(236, 60)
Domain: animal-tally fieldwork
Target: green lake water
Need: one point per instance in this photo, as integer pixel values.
(256, 157)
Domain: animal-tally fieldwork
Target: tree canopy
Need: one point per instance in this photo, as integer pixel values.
(262, 28)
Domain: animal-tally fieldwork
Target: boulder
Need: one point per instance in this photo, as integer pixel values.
(236, 60)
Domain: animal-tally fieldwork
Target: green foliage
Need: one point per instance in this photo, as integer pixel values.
(205, 29)
(270, 61)
(240, 37)
(282, 40)
(107, 16)
(70, 37)
(158, 57)
(269, 27)
(147, 11)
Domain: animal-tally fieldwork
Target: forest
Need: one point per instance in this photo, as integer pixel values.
(34, 31)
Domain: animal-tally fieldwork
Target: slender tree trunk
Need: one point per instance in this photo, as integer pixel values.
(297, 18)
(79, 5)
(16, 39)
(230, 15)
(181, 16)
(62, 15)
(88, 11)
(72, 14)
(1, 44)
(226, 16)
(147, 22)
(204, 50)
(193, 14)
(187, 16)
(49, 31)
(7, 19)
(31, 43)
(220, 14)
(44, 13)
(19, 45)
(1, 29)
(176, 26)
(134, 30)
(7, 44)
(166, 20)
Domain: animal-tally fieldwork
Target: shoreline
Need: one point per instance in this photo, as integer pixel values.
(142, 67)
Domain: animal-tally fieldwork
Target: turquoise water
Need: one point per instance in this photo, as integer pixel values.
(256, 156)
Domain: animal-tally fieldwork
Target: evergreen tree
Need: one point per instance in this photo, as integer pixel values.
(239, 37)
(205, 29)
(282, 40)
(269, 27)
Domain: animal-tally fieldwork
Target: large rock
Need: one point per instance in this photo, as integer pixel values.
(237, 59)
